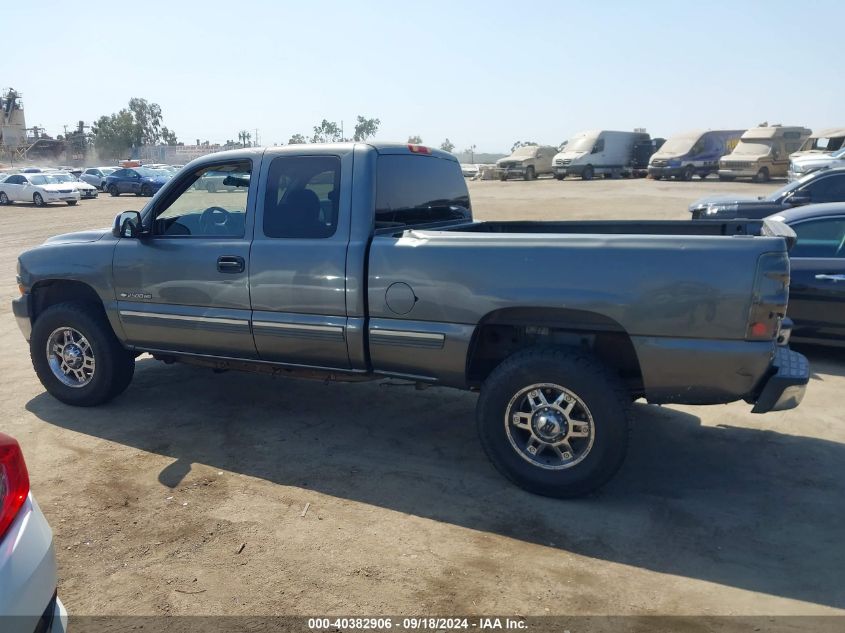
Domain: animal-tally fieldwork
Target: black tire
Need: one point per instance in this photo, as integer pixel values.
(589, 379)
(529, 173)
(762, 175)
(503, 177)
(560, 176)
(72, 203)
(588, 173)
(102, 186)
(38, 200)
(688, 173)
(4, 199)
(146, 191)
(114, 365)
(657, 177)
(113, 191)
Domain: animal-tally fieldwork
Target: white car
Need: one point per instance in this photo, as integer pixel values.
(28, 598)
(803, 165)
(96, 176)
(85, 190)
(40, 189)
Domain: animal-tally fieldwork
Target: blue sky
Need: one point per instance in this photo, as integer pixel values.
(483, 72)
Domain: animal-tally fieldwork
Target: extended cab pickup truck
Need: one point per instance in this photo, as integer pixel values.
(360, 261)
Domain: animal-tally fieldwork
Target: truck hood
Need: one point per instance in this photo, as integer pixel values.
(572, 155)
(78, 237)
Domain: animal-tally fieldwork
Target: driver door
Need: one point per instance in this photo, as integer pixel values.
(184, 285)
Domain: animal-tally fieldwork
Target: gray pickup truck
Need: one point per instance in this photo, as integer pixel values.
(362, 261)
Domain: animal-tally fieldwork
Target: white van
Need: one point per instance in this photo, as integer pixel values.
(598, 152)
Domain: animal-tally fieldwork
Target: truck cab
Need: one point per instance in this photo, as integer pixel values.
(762, 153)
(598, 153)
(694, 153)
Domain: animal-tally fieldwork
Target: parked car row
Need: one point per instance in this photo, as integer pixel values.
(758, 154)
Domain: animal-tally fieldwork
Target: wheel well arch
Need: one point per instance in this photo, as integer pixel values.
(503, 332)
(49, 292)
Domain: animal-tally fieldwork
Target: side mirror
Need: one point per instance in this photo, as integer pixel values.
(127, 224)
(799, 198)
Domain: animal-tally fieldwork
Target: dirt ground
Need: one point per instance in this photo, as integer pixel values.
(186, 495)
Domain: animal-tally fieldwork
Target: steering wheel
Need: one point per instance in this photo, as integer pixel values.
(213, 219)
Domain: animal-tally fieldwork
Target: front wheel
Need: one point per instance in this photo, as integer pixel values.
(762, 175)
(72, 203)
(146, 191)
(38, 200)
(113, 191)
(77, 357)
(530, 174)
(688, 173)
(4, 199)
(554, 421)
(588, 173)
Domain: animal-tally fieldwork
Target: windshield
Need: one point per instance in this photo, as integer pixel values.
(792, 186)
(678, 145)
(528, 151)
(581, 144)
(57, 178)
(753, 148)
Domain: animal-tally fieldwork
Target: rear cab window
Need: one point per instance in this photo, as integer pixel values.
(419, 190)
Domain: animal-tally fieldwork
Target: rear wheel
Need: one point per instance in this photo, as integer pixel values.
(113, 190)
(4, 199)
(72, 203)
(762, 175)
(688, 173)
(588, 173)
(554, 421)
(77, 357)
(38, 200)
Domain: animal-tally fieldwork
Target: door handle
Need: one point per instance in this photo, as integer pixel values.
(826, 277)
(230, 264)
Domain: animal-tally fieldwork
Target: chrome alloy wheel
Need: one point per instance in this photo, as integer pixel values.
(549, 426)
(70, 357)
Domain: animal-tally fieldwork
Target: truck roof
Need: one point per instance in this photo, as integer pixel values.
(773, 131)
(831, 132)
(324, 148)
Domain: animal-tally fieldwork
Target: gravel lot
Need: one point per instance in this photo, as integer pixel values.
(186, 494)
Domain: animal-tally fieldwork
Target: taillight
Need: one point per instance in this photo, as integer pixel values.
(14, 481)
(771, 294)
(419, 149)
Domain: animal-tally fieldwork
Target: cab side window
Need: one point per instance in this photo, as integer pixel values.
(209, 202)
(302, 197)
(819, 238)
(827, 189)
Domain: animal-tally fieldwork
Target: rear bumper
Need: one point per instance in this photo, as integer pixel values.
(22, 309)
(784, 389)
(28, 577)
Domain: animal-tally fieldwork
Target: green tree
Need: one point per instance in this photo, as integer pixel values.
(365, 128)
(447, 146)
(415, 140)
(297, 139)
(326, 132)
(139, 124)
(115, 134)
